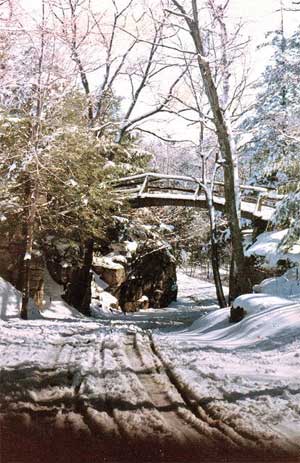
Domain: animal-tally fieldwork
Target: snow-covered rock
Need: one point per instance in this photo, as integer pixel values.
(110, 271)
(287, 285)
(266, 246)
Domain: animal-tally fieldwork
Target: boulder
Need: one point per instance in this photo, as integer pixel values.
(152, 274)
(110, 271)
(69, 264)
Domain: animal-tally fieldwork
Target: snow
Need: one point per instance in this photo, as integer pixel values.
(248, 371)
(287, 285)
(131, 246)
(72, 182)
(244, 376)
(106, 302)
(164, 227)
(267, 246)
(54, 306)
(99, 283)
(107, 262)
(10, 303)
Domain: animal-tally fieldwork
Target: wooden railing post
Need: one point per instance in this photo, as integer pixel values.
(196, 194)
(259, 203)
(144, 186)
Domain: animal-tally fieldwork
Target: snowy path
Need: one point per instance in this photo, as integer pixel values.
(109, 391)
(82, 390)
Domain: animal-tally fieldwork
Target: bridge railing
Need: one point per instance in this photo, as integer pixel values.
(151, 183)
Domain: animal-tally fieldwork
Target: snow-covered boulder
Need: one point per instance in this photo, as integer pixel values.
(110, 270)
(152, 274)
(267, 247)
(249, 304)
(287, 285)
(137, 264)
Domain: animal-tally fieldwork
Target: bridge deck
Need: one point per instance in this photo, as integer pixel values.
(248, 209)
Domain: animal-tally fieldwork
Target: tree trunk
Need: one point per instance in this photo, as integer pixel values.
(214, 251)
(31, 195)
(238, 285)
(87, 277)
(239, 282)
(217, 278)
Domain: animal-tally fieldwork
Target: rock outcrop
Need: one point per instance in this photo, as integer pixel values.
(153, 274)
(69, 264)
(134, 262)
(140, 270)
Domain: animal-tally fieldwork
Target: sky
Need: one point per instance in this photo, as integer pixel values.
(259, 16)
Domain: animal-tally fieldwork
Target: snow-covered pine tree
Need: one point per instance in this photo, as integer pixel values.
(272, 153)
(273, 150)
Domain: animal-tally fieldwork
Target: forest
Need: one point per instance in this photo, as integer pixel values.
(150, 227)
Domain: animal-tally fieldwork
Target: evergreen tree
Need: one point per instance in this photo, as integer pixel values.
(272, 152)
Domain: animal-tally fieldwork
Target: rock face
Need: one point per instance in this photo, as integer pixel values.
(153, 275)
(69, 265)
(136, 265)
(112, 272)
(140, 270)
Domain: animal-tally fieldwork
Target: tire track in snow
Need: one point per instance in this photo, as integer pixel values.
(91, 398)
(238, 437)
(186, 427)
(137, 419)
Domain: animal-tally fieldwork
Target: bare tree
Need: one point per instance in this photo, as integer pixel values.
(134, 67)
(81, 29)
(222, 122)
(209, 185)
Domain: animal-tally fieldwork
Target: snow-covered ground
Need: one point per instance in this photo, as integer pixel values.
(246, 374)
(175, 383)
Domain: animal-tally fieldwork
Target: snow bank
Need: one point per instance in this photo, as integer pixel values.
(54, 306)
(245, 375)
(267, 246)
(287, 285)
(105, 305)
(269, 320)
(10, 303)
